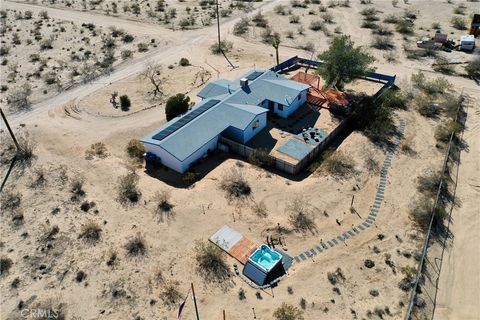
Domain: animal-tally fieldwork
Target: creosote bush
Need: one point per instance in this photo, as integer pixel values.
(5, 265)
(288, 312)
(338, 164)
(76, 188)
(225, 46)
(163, 206)
(10, 200)
(445, 130)
(91, 232)
(127, 188)
(135, 149)
(210, 262)
(235, 185)
(422, 212)
(170, 294)
(260, 209)
(473, 68)
(301, 215)
(98, 149)
(136, 246)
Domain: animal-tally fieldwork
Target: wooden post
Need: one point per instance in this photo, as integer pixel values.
(224, 318)
(195, 302)
(353, 198)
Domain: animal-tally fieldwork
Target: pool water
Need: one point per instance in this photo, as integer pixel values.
(265, 257)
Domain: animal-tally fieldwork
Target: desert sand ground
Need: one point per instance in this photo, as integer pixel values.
(47, 270)
(458, 295)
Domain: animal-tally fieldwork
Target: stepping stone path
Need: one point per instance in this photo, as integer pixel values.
(372, 216)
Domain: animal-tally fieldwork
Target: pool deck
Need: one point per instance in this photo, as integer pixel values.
(234, 243)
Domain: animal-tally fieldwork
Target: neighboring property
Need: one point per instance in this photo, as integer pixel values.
(234, 110)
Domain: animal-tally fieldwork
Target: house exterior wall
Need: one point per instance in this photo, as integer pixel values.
(249, 132)
(211, 145)
(165, 158)
(234, 134)
(288, 110)
(173, 163)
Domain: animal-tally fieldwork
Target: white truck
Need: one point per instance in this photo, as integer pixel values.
(467, 43)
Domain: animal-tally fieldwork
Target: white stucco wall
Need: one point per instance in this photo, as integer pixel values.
(249, 132)
(166, 158)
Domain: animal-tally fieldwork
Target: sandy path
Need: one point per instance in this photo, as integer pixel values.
(172, 46)
(459, 283)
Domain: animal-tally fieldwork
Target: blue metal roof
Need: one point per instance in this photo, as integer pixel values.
(225, 104)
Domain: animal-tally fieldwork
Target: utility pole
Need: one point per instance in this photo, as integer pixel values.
(195, 302)
(218, 28)
(9, 129)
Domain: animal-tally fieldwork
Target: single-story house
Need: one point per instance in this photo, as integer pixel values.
(235, 110)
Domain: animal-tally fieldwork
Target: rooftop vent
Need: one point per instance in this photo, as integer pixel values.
(244, 82)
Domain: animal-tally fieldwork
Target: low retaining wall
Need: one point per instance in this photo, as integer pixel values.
(285, 166)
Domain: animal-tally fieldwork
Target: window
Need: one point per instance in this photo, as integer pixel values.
(280, 107)
(256, 124)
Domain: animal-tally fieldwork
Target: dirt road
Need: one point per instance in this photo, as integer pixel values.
(172, 45)
(459, 283)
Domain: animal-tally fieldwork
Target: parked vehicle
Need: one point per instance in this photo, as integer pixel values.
(467, 43)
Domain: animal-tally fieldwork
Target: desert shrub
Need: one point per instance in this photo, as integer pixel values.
(176, 105)
(225, 46)
(421, 214)
(127, 188)
(18, 99)
(5, 265)
(4, 50)
(368, 263)
(98, 149)
(430, 87)
(210, 262)
(459, 10)
(473, 68)
(280, 9)
(241, 27)
(38, 178)
(374, 292)
(327, 17)
(301, 215)
(76, 188)
(184, 62)
(459, 23)
(10, 200)
(189, 177)
(372, 165)
(142, 47)
(445, 130)
(426, 106)
(46, 44)
(452, 104)
(391, 19)
(163, 206)
(126, 54)
(338, 164)
(288, 312)
(135, 149)
(317, 25)
(260, 209)
(294, 19)
(404, 26)
(125, 102)
(382, 42)
(241, 294)
(261, 157)
(406, 146)
(235, 185)
(259, 20)
(90, 232)
(429, 182)
(136, 246)
(170, 294)
(442, 65)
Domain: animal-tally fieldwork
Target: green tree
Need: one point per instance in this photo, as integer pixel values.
(125, 102)
(176, 105)
(343, 62)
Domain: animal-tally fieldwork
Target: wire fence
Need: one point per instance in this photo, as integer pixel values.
(428, 235)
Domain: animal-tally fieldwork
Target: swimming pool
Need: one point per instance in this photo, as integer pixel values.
(265, 258)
